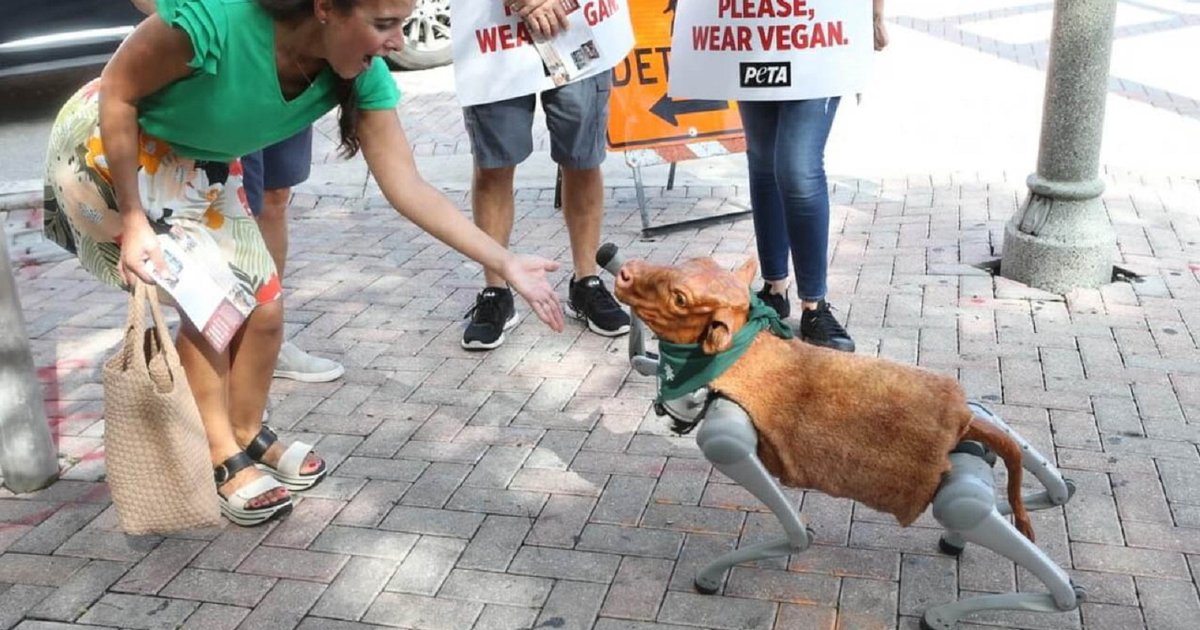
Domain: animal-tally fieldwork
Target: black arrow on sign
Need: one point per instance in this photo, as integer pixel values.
(668, 108)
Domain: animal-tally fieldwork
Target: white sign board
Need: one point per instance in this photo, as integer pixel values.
(768, 50)
(495, 57)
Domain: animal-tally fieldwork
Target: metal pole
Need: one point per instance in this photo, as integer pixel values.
(640, 188)
(28, 459)
(1061, 238)
(558, 188)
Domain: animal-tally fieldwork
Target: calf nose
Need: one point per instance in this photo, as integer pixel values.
(625, 275)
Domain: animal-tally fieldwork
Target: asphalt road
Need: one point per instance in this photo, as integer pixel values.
(27, 110)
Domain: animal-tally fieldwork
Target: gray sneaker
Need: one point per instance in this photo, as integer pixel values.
(299, 365)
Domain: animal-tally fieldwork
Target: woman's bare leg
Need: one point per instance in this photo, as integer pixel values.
(253, 352)
(208, 376)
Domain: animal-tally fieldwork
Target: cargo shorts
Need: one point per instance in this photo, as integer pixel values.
(501, 133)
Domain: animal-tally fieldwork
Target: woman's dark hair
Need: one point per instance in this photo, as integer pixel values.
(295, 11)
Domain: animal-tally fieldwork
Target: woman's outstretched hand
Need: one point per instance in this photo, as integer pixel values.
(527, 276)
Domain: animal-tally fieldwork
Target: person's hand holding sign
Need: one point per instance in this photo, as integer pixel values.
(544, 17)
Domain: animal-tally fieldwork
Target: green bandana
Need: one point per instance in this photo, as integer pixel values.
(684, 367)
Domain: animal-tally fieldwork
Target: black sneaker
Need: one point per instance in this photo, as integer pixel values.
(780, 303)
(589, 300)
(820, 328)
(492, 314)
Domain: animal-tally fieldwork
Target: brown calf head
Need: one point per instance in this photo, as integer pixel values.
(695, 302)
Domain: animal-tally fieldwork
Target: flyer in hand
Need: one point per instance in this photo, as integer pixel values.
(571, 53)
(210, 296)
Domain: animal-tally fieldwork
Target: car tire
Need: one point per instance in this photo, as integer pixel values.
(426, 37)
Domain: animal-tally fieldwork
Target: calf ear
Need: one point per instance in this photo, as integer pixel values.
(745, 274)
(718, 335)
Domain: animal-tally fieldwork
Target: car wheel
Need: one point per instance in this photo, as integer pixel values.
(426, 37)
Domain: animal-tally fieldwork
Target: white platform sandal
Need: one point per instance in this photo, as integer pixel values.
(287, 471)
(234, 506)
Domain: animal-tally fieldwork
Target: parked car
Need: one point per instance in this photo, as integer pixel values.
(44, 35)
(426, 37)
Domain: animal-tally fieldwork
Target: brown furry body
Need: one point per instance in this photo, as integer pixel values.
(847, 425)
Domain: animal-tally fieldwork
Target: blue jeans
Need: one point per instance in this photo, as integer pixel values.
(785, 149)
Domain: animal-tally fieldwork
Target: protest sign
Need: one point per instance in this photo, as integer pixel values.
(496, 57)
(641, 114)
(766, 50)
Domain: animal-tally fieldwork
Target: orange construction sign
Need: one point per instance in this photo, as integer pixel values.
(641, 115)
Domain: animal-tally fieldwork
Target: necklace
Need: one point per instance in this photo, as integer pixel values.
(307, 79)
(286, 46)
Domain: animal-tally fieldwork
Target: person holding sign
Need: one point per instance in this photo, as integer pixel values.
(151, 147)
(499, 77)
(785, 153)
(787, 63)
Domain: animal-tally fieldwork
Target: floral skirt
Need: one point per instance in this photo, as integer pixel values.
(191, 198)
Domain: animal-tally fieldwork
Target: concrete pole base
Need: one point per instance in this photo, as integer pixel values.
(1066, 243)
(28, 458)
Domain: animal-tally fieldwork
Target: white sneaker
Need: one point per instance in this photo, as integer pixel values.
(299, 365)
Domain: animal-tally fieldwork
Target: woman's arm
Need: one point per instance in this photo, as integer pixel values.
(153, 56)
(390, 159)
(145, 6)
(880, 27)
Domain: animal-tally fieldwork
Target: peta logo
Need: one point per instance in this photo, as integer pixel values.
(765, 74)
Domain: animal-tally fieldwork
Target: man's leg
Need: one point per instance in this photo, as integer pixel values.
(577, 116)
(501, 137)
(492, 208)
(272, 222)
(269, 177)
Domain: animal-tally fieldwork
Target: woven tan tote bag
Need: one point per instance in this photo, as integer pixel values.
(156, 450)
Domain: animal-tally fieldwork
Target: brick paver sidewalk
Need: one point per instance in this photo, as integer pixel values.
(533, 486)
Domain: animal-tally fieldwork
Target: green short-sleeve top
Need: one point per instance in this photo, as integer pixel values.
(232, 104)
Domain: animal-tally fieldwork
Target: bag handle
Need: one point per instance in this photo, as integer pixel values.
(134, 322)
(140, 293)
